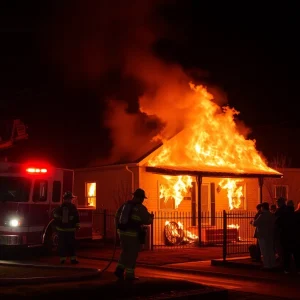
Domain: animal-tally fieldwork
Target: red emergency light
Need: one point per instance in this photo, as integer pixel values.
(36, 170)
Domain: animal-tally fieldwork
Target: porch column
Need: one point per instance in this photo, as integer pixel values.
(199, 183)
(260, 183)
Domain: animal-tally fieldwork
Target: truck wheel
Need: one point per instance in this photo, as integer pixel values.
(51, 241)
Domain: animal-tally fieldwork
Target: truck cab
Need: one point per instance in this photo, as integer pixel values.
(29, 193)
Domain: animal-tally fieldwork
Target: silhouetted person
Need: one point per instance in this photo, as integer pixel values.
(281, 208)
(264, 224)
(273, 208)
(257, 252)
(289, 238)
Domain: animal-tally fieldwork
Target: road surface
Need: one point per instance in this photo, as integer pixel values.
(287, 290)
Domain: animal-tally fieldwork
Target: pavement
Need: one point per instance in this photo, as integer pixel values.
(160, 264)
(194, 260)
(13, 273)
(157, 257)
(105, 284)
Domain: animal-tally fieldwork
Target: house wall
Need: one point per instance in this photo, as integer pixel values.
(183, 214)
(291, 178)
(149, 182)
(113, 185)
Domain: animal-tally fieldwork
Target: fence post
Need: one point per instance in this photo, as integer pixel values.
(224, 235)
(104, 224)
(151, 235)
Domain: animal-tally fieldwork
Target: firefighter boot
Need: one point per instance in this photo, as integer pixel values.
(74, 260)
(62, 260)
(129, 275)
(119, 272)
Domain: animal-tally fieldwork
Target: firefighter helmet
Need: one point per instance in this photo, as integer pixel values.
(139, 193)
(68, 195)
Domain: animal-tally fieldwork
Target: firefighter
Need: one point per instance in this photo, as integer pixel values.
(129, 220)
(67, 222)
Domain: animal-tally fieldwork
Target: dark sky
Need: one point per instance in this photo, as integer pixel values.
(60, 60)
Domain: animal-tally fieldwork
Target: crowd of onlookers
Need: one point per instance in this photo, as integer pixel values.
(277, 229)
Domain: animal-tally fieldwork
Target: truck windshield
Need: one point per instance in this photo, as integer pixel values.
(14, 189)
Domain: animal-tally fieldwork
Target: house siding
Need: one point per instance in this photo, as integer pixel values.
(291, 178)
(149, 182)
(113, 185)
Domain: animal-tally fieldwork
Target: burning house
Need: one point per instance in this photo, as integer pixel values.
(206, 168)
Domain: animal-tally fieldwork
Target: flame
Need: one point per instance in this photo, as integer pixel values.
(176, 188)
(179, 232)
(91, 194)
(209, 141)
(234, 191)
(236, 226)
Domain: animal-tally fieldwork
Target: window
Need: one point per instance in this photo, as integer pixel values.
(40, 191)
(165, 202)
(238, 197)
(14, 189)
(56, 192)
(281, 191)
(235, 193)
(90, 193)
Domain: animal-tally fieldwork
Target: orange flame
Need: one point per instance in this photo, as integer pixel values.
(235, 226)
(91, 194)
(179, 231)
(234, 191)
(210, 141)
(176, 188)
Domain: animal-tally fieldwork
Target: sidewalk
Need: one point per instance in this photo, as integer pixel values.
(157, 257)
(228, 271)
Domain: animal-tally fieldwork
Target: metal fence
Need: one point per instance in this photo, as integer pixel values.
(103, 224)
(240, 235)
(230, 230)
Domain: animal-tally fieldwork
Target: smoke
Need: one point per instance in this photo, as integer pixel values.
(119, 36)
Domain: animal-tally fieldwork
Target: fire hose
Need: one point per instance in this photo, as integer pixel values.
(115, 248)
(113, 254)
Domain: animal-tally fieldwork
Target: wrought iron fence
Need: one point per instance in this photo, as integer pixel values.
(240, 233)
(103, 224)
(231, 230)
(180, 229)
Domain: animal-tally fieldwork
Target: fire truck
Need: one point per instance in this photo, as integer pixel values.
(29, 193)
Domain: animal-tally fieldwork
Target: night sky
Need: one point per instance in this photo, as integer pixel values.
(61, 60)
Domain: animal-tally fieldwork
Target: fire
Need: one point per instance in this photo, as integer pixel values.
(177, 234)
(235, 226)
(210, 141)
(92, 193)
(234, 191)
(176, 188)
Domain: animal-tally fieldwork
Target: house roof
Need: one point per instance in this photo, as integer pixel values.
(210, 172)
(149, 147)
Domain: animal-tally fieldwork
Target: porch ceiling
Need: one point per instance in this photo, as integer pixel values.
(176, 171)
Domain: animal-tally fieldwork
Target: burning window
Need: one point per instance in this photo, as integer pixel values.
(235, 192)
(90, 193)
(280, 191)
(172, 190)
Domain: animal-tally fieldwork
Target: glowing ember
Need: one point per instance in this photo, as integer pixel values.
(234, 192)
(210, 141)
